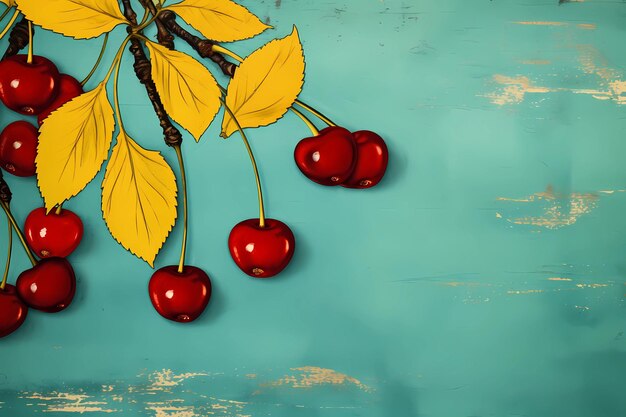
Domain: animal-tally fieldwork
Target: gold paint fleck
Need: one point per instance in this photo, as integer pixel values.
(312, 376)
(525, 291)
(592, 285)
(559, 279)
(65, 402)
(166, 378)
(587, 26)
(534, 23)
(514, 90)
(610, 83)
(556, 210)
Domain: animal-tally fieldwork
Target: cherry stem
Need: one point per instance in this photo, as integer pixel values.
(59, 209)
(253, 161)
(20, 235)
(228, 52)
(29, 60)
(95, 66)
(320, 115)
(117, 59)
(8, 26)
(183, 180)
(317, 113)
(5, 13)
(306, 121)
(116, 99)
(147, 23)
(8, 262)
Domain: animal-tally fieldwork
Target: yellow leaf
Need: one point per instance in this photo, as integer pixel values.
(74, 141)
(80, 19)
(138, 198)
(219, 20)
(266, 84)
(187, 89)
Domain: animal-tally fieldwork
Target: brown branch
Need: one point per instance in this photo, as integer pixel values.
(18, 39)
(5, 191)
(204, 47)
(164, 36)
(143, 71)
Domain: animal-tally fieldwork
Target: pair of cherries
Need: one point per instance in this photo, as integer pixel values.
(35, 88)
(261, 252)
(338, 157)
(50, 285)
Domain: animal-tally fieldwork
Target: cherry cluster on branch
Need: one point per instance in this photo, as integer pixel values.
(77, 128)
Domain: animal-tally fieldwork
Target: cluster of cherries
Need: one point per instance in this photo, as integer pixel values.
(36, 88)
(260, 248)
(334, 156)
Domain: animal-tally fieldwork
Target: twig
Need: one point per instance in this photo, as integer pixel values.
(204, 47)
(18, 38)
(143, 70)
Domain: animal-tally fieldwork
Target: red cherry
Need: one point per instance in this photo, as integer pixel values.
(18, 148)
(53, 235)
(48, 286)
(69, 88)
(13, 311)
(328, 158)
(372, 158)
(177, 296)
(261, 252)
(28, 88)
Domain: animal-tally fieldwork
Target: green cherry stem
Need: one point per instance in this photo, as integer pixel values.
(29, 60)
(306, 121)
(5, 13)
(17, 229)
(117, 59)
(8, 262)
(253, 161)
(317, 113)
(183, 180)
(8, 26)
(95, 66)
(320, 115)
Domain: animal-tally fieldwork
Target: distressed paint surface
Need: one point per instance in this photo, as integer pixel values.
(484, 277)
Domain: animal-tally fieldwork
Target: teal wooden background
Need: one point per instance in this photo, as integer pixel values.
(483, 277)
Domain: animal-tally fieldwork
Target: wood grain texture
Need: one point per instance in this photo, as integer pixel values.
(484, 276)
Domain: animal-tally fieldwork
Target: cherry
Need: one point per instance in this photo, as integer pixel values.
(18, 148)
(28, 88)
(48, 286)
(261, 252)
(13, 311)
(52, 234)
(69, 88)
(372, 158)
(180, 296)
(327, 158)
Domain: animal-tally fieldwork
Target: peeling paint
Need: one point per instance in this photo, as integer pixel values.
(609, 82)
(311, 376)
(540, 23)
(514, 90)
(555, 211)
(65, 402)
(166, 393)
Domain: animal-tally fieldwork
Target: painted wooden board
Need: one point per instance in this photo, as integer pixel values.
(483, 277)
